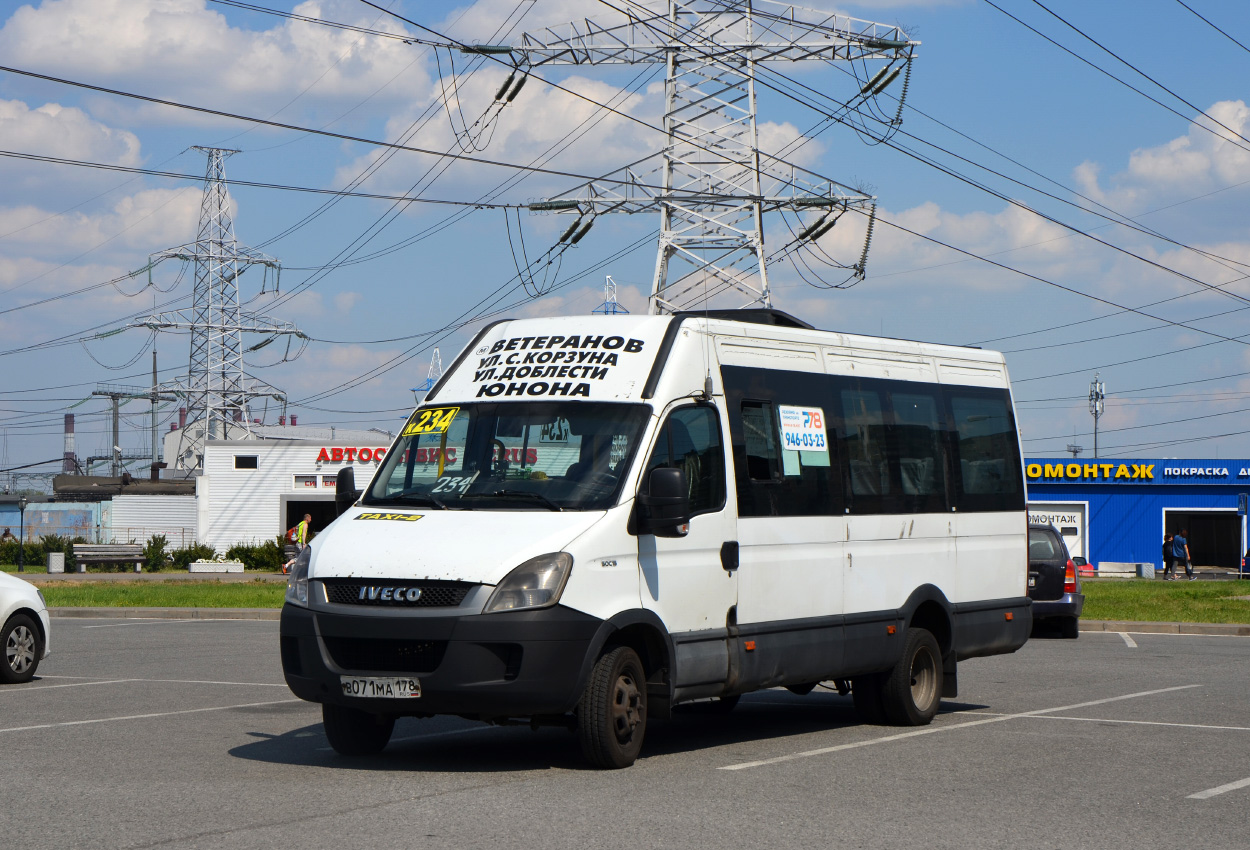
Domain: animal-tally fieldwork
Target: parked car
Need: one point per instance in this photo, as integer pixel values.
(1054, 585)
(24, 636)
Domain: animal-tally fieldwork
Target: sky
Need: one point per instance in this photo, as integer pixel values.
(1069, 185)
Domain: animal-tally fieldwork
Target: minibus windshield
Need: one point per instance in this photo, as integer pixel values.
(551, 456)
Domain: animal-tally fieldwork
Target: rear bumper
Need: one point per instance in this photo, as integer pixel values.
(1068, 605)
(515, 664)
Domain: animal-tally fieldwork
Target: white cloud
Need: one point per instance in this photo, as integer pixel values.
(183, 49)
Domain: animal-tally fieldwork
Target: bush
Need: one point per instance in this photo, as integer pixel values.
(154, 556)
(258, 556)
(32, 553)
(181, 558)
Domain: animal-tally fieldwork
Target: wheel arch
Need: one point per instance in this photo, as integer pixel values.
(34, 615)
(642, 631)
(928, 608)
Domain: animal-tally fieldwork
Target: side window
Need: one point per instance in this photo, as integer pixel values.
(761, 441)
(690, 439)
(988, 451)
(865, 448)
(919, 436)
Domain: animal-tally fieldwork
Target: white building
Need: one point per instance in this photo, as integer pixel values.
(254, 490)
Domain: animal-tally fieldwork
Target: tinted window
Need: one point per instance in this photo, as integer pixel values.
(690, 440)
(785, 457)
(865, 450)
(988, 451)
(1041, 545)
(245, 461)
(919, 437)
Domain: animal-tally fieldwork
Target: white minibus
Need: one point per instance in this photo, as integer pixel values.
(593, 519)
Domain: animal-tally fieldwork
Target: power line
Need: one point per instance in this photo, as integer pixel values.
(1214, 27)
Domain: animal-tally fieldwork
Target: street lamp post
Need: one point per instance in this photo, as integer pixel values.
(21, 533)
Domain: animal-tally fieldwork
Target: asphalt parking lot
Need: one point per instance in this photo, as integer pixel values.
(180, 733)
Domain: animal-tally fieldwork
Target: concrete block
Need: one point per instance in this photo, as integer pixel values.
(1116, 569)
(215, 567)
(56, 562)
(1146, 570)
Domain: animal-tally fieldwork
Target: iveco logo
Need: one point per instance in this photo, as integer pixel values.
(389, 594)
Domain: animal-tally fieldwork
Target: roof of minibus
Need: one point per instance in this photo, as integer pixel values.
(611, 357)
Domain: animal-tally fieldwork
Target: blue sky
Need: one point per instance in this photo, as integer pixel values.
(1053, 304)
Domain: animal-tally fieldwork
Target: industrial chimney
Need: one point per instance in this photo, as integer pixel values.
(69, 464)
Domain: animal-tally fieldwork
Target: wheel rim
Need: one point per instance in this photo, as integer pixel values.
(923, 678)
(627, 706)
(19, 651)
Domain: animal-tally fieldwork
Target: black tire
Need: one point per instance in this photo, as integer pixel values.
(21, 647)
(1069, 629)
(353, 732)
(912, 691)
(866, 692)
(612, 713)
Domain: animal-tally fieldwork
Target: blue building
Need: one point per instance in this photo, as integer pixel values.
(1120, 510)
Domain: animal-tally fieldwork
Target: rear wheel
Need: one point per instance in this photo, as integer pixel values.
(22, 648)
(912, 691)
(353, 732)
(612, 714)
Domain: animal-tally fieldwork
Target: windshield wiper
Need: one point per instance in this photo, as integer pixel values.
(414, 496)
(525, 494)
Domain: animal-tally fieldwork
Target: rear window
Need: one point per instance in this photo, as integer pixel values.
(1042, 546)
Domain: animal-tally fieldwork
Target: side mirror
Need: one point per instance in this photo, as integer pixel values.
(664, 504)
(1078, 561)
(345, 492)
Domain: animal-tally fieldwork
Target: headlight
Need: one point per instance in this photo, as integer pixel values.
(297, 582)
(535, 584)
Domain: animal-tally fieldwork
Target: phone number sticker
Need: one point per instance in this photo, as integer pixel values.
(431, 420)
(802, 429)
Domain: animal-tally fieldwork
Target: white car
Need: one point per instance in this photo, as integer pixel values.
(24, 635)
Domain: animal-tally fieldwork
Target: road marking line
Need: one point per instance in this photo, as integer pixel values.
(145, 716)
(142, 621)
(930, 730)
(1132, 644)
(1147, 723)
(34, 687)
(1223, 789)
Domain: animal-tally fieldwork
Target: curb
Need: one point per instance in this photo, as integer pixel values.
(169, 613)
(1225, 629)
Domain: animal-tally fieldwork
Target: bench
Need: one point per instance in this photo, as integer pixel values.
(108, 553)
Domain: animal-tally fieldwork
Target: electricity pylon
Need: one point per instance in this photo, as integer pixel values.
(431, 377)
(714, 183)
(215, 388)
(610, 306)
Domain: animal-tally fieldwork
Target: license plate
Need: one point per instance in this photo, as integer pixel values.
(1032, 582)
(381, 687)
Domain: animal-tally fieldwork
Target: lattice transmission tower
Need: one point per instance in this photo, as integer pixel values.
(713, 184)
(216, 389)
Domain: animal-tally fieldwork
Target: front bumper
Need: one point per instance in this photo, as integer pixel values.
(484, 666)
(1068, 605)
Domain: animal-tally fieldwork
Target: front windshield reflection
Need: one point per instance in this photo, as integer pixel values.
(521, 455)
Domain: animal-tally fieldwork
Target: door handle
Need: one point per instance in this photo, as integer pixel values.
(729, 555)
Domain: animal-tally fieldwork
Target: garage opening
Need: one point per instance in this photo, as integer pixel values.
(1214, 536)
(322, 511)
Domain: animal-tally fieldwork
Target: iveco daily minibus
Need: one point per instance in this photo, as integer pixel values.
(593, 519)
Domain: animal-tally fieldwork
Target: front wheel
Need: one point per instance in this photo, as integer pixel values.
(353, 732)
(22, 649)
(912, 691)
(612, 714)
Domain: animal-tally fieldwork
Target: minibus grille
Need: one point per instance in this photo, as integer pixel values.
(433, 594)
(386, 655)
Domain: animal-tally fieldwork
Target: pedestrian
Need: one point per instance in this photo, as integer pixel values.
(301, 540)
(7, 536)
(1169, 559)
(1180, 550)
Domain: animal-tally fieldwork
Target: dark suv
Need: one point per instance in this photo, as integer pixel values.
(1054, 585)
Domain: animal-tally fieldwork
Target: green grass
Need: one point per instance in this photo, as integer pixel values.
(1158, 601)
(163, 594)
